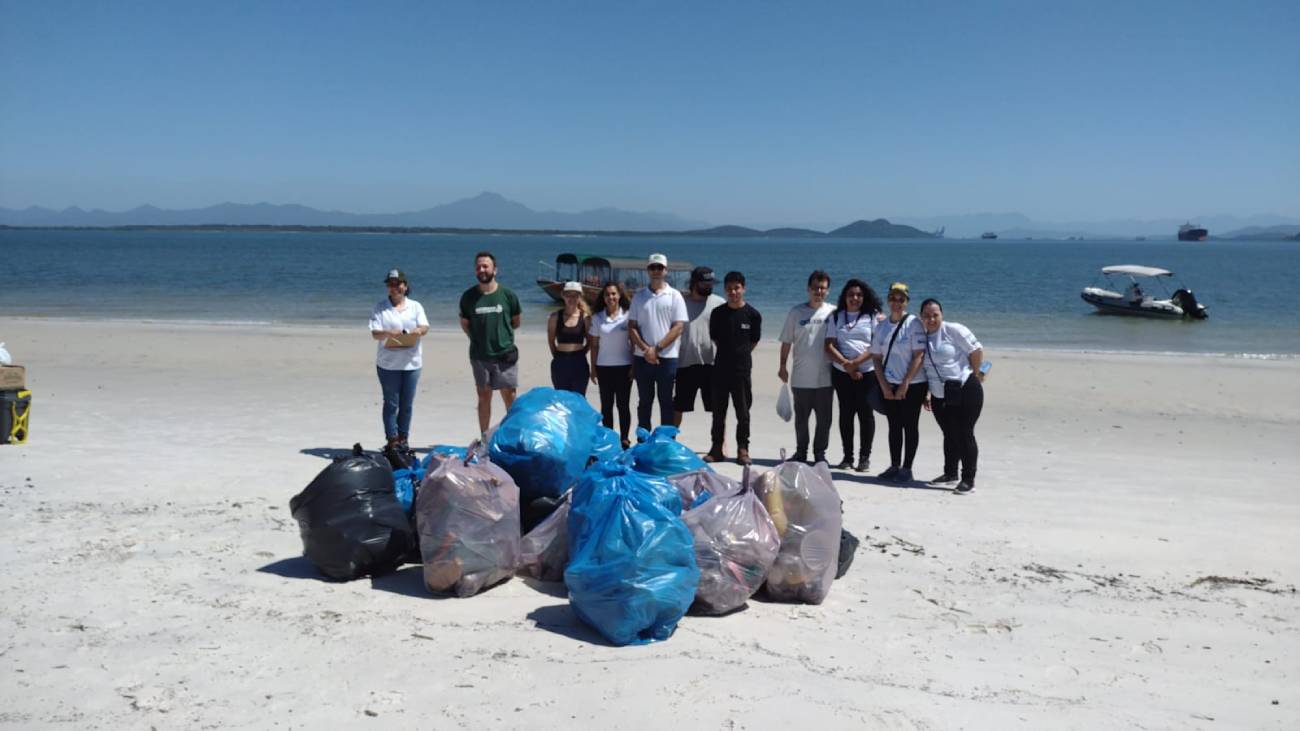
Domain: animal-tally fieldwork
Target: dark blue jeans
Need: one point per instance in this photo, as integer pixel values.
(399, 396)
(649, 380)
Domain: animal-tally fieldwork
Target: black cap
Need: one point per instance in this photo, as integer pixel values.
(395, 274)
(702, 274)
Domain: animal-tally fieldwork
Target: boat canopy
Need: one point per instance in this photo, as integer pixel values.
(596, 260)
(1137, 270)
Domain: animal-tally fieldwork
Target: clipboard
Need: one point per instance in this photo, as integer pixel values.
(405, 340)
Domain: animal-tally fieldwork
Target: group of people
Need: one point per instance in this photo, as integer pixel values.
(674, 346)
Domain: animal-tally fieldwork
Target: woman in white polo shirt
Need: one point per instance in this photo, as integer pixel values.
(952, 358)
(901, 383)
(398, 355)
(848, 345)
(611, 359)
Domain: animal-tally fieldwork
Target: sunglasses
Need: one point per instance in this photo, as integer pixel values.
(656, 267)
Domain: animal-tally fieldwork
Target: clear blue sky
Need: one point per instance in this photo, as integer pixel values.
(720, 111)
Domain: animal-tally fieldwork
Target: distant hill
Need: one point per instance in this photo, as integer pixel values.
(485, 210)
(740, 231)
(1285, 231)
(879, 229)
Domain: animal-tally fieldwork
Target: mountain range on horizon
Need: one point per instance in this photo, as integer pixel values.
(493, 211)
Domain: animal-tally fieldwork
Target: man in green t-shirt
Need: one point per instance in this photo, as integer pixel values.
(489, 315)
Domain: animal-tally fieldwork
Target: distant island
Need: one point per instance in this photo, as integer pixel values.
(877, 229)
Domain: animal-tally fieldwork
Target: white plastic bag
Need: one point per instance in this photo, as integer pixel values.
(4, 356)
(784, 408)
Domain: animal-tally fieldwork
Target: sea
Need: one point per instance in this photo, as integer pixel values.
(1012, 294)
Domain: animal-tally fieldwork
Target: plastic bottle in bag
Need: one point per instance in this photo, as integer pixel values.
(735, 547)
(467, 512)
(805, 509)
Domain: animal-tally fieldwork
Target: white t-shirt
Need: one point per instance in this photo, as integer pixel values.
(654, 314)
(852, 335)
(409, 317)
(901, 356)
(948, 356)
(615, 348)
(697, 346)
(805, 330)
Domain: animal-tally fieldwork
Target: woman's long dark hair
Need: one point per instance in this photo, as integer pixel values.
(623, 301)
(870, 301)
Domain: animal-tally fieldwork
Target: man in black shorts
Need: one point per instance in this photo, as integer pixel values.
(735, 329)
(695, 360)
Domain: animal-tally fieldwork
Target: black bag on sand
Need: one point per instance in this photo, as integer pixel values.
(534, 512)
(848, 548)
(351, 522)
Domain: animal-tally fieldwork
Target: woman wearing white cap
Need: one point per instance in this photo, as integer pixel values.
(398, 323)
(566, 333)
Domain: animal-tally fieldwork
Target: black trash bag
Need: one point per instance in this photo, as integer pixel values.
(399, 458)
(351, 522)
(532, 513)
(848, 549)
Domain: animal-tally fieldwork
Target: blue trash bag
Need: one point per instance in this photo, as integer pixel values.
(439, 453)
(405, 484)
(544, 441)
(632, 573)
(606, 446)
(659, 453)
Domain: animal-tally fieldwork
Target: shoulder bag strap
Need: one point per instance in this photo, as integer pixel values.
(892, 338)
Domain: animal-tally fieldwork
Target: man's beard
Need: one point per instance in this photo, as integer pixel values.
(486, 277)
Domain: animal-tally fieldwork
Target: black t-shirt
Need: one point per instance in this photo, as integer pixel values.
(734, 332)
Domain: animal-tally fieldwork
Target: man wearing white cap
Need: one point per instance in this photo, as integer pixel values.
(655, 325)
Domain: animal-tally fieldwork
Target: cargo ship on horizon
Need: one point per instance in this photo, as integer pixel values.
(1190, 232)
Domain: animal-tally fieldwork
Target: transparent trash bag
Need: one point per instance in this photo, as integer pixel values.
(467, 512)
(544, 551)
(697, 486)
(805, 508)
(784, 407)
(735, 546)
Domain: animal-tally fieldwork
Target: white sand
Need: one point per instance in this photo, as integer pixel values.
(151, 574)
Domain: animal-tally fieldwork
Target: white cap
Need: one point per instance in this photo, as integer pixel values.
(657, 259)
(573, 287)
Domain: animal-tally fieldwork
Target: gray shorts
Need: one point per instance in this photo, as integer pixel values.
(494, 374)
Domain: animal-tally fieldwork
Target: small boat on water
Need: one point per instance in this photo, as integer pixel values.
(988, 235)
(1133, 301)
(1191, 232)
(594, 270)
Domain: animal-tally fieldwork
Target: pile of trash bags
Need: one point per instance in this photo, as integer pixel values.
(639, 536)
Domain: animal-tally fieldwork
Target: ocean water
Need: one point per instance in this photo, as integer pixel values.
(1022, 294)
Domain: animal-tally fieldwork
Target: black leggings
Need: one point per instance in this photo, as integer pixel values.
(958, 425)
(904, 419)
(615, 384)
(852, 396)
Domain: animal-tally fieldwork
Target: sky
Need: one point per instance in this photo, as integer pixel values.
(716, 111)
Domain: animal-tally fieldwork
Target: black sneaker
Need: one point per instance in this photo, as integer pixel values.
(817, 458)
(799, 457)
(944, 480)
(863, 465)
(963, 487)
(845, 464)
(904, 475)
(889, 474)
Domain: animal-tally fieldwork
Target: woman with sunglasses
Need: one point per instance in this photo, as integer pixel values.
(566, 334)
(902, 386)
(398, 323)
(952, 366)
(848, 345)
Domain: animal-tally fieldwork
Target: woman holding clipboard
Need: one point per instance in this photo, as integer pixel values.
(397, 323)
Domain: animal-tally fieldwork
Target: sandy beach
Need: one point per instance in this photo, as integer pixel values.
(152, 573)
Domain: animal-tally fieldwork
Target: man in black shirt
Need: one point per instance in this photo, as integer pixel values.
(735, 330)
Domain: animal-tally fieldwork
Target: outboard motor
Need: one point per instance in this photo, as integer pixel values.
(1191, 308)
